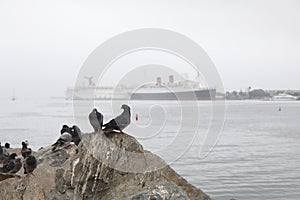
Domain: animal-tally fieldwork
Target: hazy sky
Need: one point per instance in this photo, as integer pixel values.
(44, 43)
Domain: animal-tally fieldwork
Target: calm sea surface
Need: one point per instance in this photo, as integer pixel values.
(257, 155)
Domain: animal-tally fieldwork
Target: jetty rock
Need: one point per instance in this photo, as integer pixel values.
(102, 167)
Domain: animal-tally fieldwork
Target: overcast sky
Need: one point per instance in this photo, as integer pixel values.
(44, 43)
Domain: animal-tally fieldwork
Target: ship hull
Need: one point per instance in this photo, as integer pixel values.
(108, 94)
(207, 94)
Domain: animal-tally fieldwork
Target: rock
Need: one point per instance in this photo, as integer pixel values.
(25, 188)
(106, 167)
(161, 190)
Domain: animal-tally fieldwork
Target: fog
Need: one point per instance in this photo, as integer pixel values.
(43, 44)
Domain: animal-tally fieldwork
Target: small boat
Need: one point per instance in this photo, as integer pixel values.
(284, 97)
(13, 98)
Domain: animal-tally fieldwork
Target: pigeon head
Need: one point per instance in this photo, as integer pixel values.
(65, 126)
(7, 145)
(76, 128)
(95, 110)
(125, 107)
(24, 144)
(13, 155)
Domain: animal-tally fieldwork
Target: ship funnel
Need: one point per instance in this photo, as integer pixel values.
(158, 81)
(171, 79)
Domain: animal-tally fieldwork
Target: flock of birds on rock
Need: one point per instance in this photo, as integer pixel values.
(73, 134)
(12, 164)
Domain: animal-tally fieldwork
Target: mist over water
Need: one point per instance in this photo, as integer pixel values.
(257, 156)
(45, 44)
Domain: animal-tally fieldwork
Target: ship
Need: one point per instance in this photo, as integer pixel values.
(181, 90)
(284, 97)
(93, 92)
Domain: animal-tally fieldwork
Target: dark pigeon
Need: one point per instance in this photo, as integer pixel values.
(7, 145)
(3, 153)
(9, 164)
(18, 166)
(65, 128)
(30, 164)
(64, 140)
(120, 122)
(76, 134)
(25, 150)
(96, 120)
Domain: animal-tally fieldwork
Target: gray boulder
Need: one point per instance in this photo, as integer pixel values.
(104, 167)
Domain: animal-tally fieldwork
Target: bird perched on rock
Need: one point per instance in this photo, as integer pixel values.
(63, 141)
(65, 128)
(120, 122)
(7, 145)
(9, 164)
(18, 166)
(30, 163)
(25, 150)
(74, 131)
(76, 134)
(3, 153)
(96, 120)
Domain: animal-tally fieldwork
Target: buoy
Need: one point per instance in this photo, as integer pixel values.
(136, 117)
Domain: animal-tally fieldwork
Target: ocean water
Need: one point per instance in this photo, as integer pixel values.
(256, 157)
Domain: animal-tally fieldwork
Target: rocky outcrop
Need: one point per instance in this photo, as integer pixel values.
(25, 188)
(103, 167)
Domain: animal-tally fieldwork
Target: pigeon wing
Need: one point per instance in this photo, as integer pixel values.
(10, 165)
(111, 125)
(123, 120)
(100, 118)
(94, 121)
(76, 136)
(18, 166)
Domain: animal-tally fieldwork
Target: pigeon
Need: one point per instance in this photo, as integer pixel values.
(65, 128)
(63, 141)
(25, 150)
(120, 122)
(76, 134)
(30, 164)
(3, 153)
(7, 145)
(9, 164)
(96, 120)
(18, 166)
(26, 142)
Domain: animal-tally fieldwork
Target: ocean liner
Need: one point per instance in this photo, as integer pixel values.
(182, 90)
